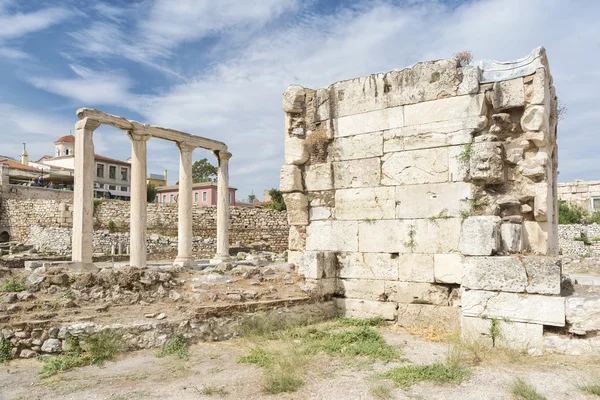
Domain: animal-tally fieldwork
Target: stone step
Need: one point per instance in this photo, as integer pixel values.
(585, 279)
(582, 309)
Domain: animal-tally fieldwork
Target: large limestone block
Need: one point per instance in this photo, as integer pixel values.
(293, 99)
(535, 118)
(357, 173)
(508, 94)
(480, 235)
(447, 268)
(295, 150)
(318, 177)
(322, 106)
(361, 289)
(355, 308)
(432, 235)
(444, 109)
(427, 315)
(367, 266)
(422, 82)
(357, 147)
(297, 208)
(486, 163)
(543, 191)
(471, 75)
(415, 267)
(539, 90)
(365, 203)
(458, 169)
(415, 166)
(319, 213)
(507, 334)
(373, 121)
(332, 236)
(512, 241)
(297, 238)
(429, 140)
(384, 236)
(562, 344)
(431, 200)
(531, 308)
(417, 293)
(543, 274)
(290, 179)
(318, 264)
(583, 311)
(535, 237)
(447, 127)
(505, 274)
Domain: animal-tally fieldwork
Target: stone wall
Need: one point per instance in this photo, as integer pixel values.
(579, 193)
(568, 244)
(402, 187)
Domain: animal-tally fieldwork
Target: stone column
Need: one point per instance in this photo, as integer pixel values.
(83, 191)
(138, 217)
(223, 206)
(184, 225)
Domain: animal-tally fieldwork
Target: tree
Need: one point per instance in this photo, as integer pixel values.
(150, 192)
(251, 198)
(277, 202)
(203, 171)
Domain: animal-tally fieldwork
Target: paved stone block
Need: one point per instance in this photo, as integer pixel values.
(447, 268)
(332, 236)
(415, 267)
(318, 177)
(361, 289)
(431, 200)
(290, 179)
(427, 315)
(480, 235)
(444, 109)
(357, 173)
(367, 266)
(297, 208)
(372, 121)
(357, 147)
(415, 166)
(365, 203)
(531, 308)
(366, 308)
(511, 335)
(508, 94)
(417, 293)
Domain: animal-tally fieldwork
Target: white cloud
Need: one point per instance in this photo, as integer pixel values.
(19, 24)
(14, 54)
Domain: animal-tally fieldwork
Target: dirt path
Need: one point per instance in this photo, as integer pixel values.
(141, 375)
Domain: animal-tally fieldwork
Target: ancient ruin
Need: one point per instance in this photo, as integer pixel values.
(429, 194)
(139, 135)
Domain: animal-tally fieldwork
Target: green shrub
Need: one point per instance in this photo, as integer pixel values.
(13, 284)
(594, 218)
(111, 226)
(5, 350)
(440, 373)
(569, 214)
(103, 346)
(177, 346)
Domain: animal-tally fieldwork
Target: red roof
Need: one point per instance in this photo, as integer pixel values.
(66, 139)
(17, 165)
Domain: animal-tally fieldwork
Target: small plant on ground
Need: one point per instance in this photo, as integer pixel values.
(102, 346)
(177, 346)
(212, 390)
(380, 390)
(5, 350)
(522, 390)
(13, 284)
(464, 58)
(259, 357)
(281, 369)
(347, 321)
(593, 388)
(440, 373)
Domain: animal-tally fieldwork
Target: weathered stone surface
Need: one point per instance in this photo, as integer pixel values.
(415, 166)
(368, 266)
(290, 179)
(318, 264)
(357, 147)
(427, 315)
(543, 274)
(297, 238)
(365, 203)
(384, 236)
(417, 293)
(486, 162)
(362, 289)
(319, 213)
(538, 92)
(444, 109)
(511, 335)
(332, 236)
(480, 235)
(318, 177)
(295, 150)
(431, 200)
(52, 346)
(295, 257)
(539, 138)
(366, 308)
(470, 80)
(429, 140)
(535, 118)
(447, 268)
(532, 168)
(373, 121)
(543, 191)
(433, 236)
(511, 237)
(583, 310)
(508, 94)
(415, 267)
(572, 346)
(535, 237)
(357, 173)
(514, 156)
(458, 169)
(297, 208)
(293, 99)
(531, 308)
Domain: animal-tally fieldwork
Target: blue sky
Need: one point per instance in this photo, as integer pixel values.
(218, 68)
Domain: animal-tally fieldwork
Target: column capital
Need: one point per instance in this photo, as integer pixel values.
(185, 147)
(87, 124)
(224, 155)
(138, 137)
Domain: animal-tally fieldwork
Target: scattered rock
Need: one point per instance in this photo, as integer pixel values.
(25, 353)
(52, 346)
(10, 298)
(151, 315)
(161, 316)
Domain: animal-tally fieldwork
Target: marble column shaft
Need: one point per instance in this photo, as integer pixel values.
(223, 206)
(184, 204)
(139, 203)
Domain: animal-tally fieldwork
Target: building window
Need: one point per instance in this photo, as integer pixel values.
(124, 188)
(196, 197)
(112, 172)
(123, 173)
(112, 187)
(57, 152)
(66, 152)
(595, 203)
(100, 170)
(204, 197)
(164, 199)
(229, 197)
(171, 199)
(156, 199)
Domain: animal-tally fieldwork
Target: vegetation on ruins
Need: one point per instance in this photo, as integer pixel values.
(13, 284)
(5, 350)
(439, 373)
(593, 388)
(111, 226)
(317, 143)
(573, 214)
(177, 346)
(150, 192)
(464, 58)
(522, 390)
(464, 157)
(411, 243)
(212, 390)
(203, 171)
(277, 202)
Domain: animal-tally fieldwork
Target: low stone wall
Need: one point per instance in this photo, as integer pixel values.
(569, 246)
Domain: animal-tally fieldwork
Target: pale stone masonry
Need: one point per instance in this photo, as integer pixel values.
(409, 190)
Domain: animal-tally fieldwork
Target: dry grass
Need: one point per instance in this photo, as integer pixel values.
(381, 390)
(464, 58)
(524, 391)
(593, 388)
(432, 333)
